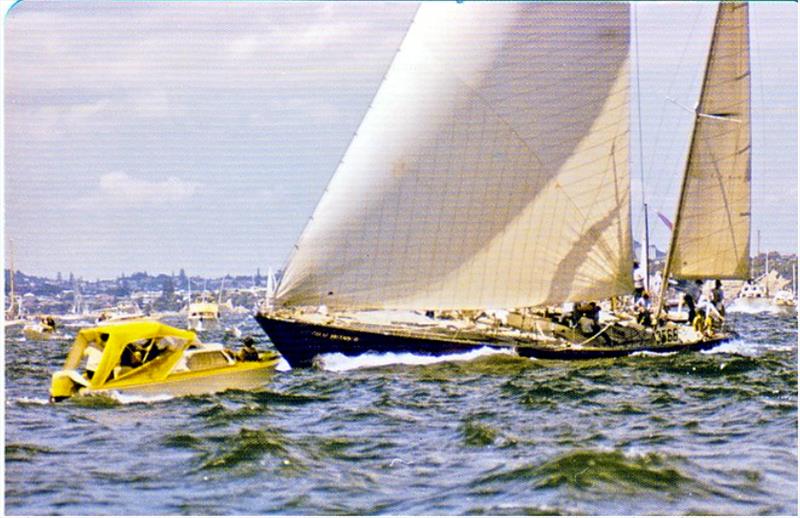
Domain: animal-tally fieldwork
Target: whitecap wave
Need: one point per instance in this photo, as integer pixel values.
(745, 348)
(283, 365)
(654, 353)
(338, 362)
(32, 401)
(760, 309)
(128, 399)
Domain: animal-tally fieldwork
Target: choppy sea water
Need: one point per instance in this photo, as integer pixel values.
(697, 433)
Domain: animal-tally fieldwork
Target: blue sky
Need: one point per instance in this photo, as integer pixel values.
(199, 135)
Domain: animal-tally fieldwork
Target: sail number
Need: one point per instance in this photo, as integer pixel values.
(666, 335)
(334, 336)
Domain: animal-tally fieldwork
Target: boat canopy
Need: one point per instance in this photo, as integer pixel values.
(113, 339)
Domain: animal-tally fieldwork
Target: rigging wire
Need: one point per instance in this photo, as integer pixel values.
(677, 74)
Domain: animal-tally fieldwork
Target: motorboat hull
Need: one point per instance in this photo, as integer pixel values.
(37, 333)
(301, 342)
(191, 384)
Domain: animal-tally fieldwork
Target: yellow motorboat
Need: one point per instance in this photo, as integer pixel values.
(148, 358)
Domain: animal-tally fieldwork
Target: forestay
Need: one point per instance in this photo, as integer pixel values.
(712, 230)
(491, 170)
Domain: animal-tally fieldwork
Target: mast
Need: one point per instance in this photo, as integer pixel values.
(646, 244)
(682, 197)
(758, 243)
(646, 255)
(77, 307)
(12, 309)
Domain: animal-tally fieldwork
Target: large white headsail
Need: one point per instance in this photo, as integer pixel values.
(491, 170)
(712, 230)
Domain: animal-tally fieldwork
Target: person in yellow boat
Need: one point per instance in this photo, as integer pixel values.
(137, 354)
(132, 356)
(247, 353)
(48, 324)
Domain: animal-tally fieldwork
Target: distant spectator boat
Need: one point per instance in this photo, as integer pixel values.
(203, 316)
(754, 298)
(45, 329)
(124, 312)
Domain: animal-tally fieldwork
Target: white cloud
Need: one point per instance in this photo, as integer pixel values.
(243, 47)
(136, 46)
(120, 190)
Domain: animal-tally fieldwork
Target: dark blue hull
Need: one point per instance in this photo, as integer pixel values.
(301, 342)
(548, 353)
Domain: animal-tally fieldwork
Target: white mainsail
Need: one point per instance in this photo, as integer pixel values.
(491, 170)
(712, 230)
(270, 284)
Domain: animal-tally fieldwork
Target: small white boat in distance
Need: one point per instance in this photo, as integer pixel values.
(44, 329)
(785, 299)
(203, 316)
(754, 298)
(120, 313)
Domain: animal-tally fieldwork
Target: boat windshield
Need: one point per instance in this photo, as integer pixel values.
(86, 346)
(131, 345)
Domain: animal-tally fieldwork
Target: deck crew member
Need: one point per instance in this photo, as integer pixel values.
(709, 308)
(587, 317)
(642, 309)
(717, 297)
(702, 321)
(691, 297)
(638, 281)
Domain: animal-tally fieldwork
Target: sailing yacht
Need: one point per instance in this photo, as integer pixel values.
(13, 314)
(486, 196)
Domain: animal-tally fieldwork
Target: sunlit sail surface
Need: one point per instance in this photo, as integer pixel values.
(491, 170)
(712, 230)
